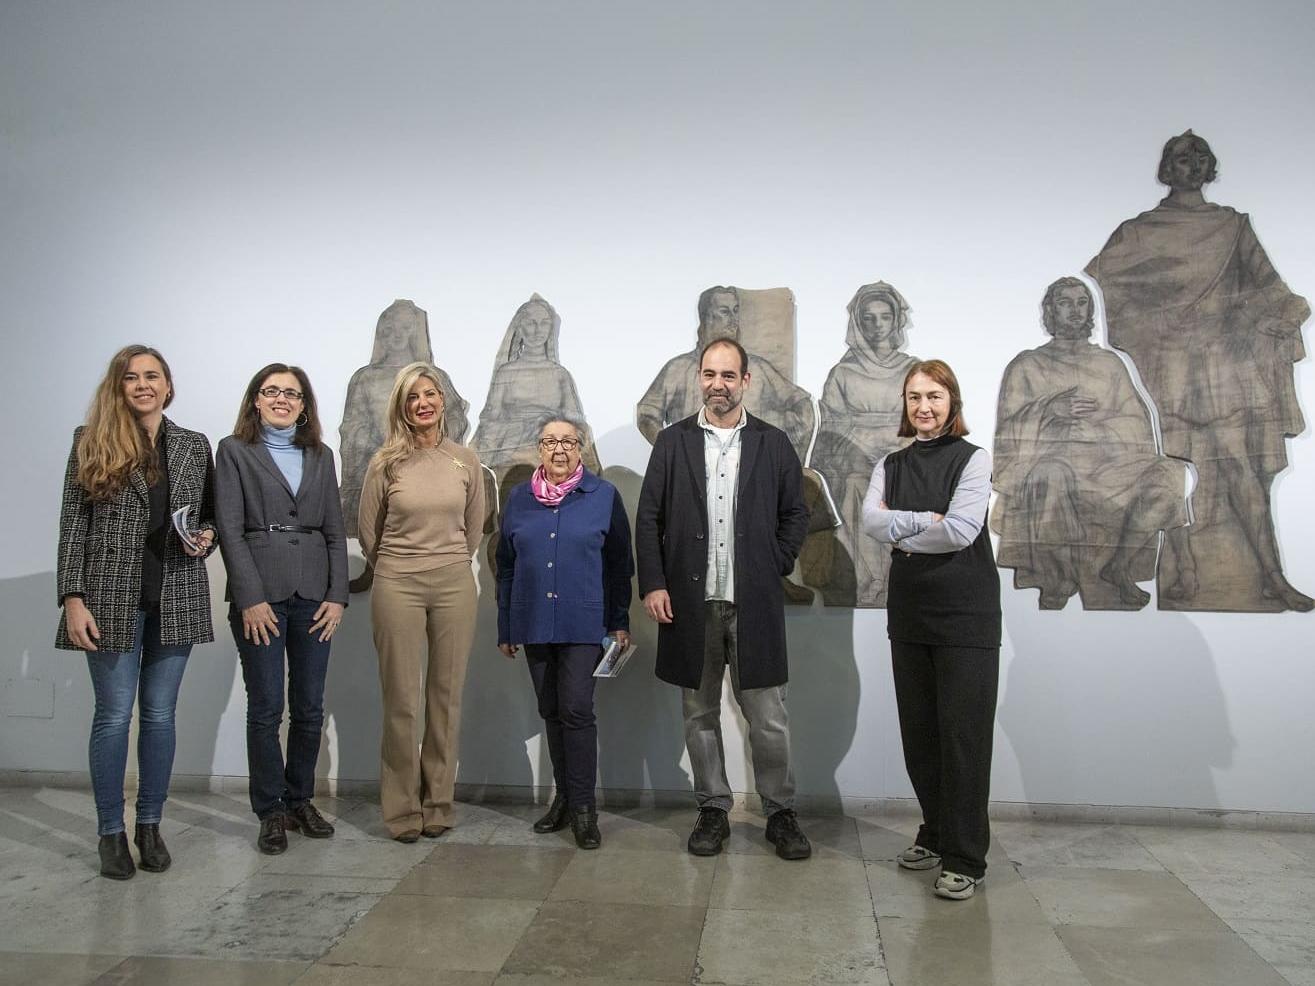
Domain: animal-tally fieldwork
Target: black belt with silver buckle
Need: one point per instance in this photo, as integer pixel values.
(290, 529)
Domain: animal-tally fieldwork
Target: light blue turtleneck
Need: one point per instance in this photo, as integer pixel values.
(287, 457)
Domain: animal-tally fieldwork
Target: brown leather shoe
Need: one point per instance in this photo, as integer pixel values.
(409, 836)
(434, 831)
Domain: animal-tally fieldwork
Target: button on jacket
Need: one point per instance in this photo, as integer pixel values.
(564, 572)
(252, 494)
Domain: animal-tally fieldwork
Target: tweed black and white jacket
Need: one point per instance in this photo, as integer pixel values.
(101, 544)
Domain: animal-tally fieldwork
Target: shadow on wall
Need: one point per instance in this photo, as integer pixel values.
(353, 706)
(46, 728)
(641, 738)
(823, 699)
(1171, 729)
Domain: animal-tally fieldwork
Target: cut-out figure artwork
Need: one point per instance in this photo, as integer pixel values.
(859, 417)
(774, 397)
(1192, 297)
(528, 384)
(1083, 492)
(400, 337)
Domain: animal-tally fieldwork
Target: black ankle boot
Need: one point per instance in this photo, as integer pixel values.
(584, 825)
(115, 859)
(556, 818)
(155, 857)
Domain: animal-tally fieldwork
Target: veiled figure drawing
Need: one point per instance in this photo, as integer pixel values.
(1083, 492)
(1192, 297)
(773, 396)
(858, 419)
(528, 384)
(401, 336)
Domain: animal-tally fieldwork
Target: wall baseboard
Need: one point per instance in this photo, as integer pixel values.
(620, 799)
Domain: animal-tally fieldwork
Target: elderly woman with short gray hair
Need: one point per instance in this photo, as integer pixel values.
(564, 565)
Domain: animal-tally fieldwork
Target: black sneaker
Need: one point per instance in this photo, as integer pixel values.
(783, 831)
(307, 820)
(115, 859)
(710, 833)
(155, 857)
(273, 838)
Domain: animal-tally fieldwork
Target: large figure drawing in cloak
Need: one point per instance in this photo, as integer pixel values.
(529, 383)
(1083, 493)
(861, 409)
(1192, 297)
(401, 336)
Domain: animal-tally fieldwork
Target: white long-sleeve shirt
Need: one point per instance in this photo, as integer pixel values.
(916, 531)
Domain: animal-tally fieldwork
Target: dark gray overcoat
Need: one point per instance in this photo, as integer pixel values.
(671, 541)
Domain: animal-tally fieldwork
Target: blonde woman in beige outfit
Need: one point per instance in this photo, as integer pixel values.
(421, 518)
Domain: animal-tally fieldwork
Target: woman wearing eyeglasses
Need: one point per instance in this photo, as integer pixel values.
(564, 567)
(281, 531)
(421, 519)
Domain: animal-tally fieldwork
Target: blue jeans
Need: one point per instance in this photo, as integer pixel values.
(151, 674)
(274, 785)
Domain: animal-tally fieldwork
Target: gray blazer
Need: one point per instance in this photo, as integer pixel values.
(270, 566)
(101, 541)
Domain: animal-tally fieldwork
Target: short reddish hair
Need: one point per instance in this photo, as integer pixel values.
(939, 371)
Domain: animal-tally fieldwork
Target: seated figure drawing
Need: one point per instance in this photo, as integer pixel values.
(1192, 297)
(528, 384)
(401, 336)
(1083, 492)
(859, 417)
(774, 397)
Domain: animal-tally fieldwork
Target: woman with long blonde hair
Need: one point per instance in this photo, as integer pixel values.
(134, 593)
(421, 520)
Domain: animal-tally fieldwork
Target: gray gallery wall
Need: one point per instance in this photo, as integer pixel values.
(242, 182)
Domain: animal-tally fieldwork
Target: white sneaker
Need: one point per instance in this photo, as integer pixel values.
(918, 858)
(955, 886)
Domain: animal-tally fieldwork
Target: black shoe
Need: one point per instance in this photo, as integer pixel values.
(710, 832)
(783, 832)
(115, 860)
(304, 818)
(556, 818)
(273, 838)
(584, 824)
(155, 857)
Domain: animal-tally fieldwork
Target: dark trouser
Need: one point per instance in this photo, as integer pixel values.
(274, 786)
(564, 684)
(946, 698)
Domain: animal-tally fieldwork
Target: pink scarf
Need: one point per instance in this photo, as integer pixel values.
(550, 494)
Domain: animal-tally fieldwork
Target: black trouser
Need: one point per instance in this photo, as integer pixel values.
(946, 698)
(564, 685)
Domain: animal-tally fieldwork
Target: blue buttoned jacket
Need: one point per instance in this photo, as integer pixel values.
(564, 572)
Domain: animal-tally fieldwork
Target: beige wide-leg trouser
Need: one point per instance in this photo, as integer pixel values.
(430, 613)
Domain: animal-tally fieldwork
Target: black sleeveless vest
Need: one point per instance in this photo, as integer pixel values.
(953, 598)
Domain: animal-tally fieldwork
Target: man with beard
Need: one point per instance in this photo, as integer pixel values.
(1192, 297)
(720, 519)
(1083, 492)
(675, 392)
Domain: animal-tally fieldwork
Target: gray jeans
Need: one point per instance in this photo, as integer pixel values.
(763, 709)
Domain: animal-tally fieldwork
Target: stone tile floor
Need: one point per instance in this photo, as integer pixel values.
(491, 902)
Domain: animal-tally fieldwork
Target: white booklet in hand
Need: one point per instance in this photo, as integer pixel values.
(614, 658)
(179, 518)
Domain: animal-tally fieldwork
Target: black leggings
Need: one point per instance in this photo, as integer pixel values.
(946, 698)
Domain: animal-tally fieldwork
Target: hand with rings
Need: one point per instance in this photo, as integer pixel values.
(327, 619)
